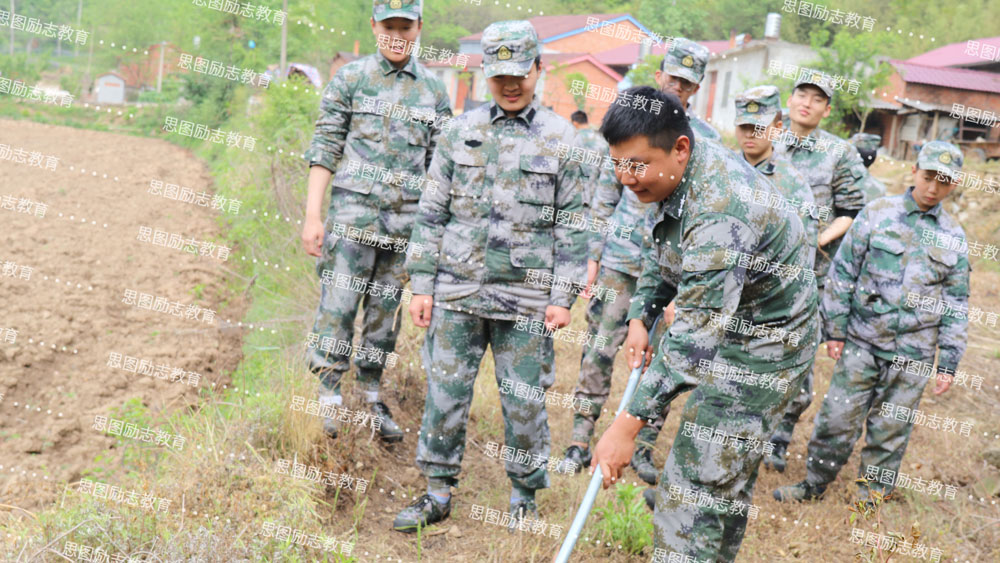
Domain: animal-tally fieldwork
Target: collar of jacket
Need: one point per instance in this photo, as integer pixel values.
(527, 115)
(765, 166)
(673, 206)
(410, 67)
(911, 206)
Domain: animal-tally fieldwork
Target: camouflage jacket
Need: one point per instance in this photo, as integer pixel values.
(836, 173)
(759, 319)
(873, 188)
(793, 185)
(891, 292)
(620, 248)
(701, 128)
(376, 132)
(507, 204)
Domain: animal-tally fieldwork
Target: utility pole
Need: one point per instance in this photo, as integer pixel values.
(284, 38)
(79, 15)
(159, 76)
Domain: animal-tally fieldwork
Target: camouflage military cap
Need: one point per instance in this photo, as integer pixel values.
(866, 141)
(758, 106)
(509, 48)
(385, 9)
(685, 59)
(819, 79)
(941, 156)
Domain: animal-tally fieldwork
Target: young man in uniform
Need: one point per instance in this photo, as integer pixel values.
(837, 176)
(492, 222)
(731, 323)
(374, 158)
(680, 74)
(893, 299)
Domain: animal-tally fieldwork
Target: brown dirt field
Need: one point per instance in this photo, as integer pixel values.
(54, 378)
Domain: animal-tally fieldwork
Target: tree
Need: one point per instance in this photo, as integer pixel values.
(853, 57)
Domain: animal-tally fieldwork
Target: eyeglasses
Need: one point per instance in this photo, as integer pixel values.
(683, 84)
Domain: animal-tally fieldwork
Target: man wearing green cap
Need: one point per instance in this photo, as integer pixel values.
(837, 176)
(895, 296)
(867, 145)
(494, 223)
(373, 156)
(680, 74)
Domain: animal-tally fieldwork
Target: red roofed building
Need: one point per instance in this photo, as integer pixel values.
(937, 95)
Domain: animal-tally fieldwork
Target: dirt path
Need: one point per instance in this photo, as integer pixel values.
(68, 310)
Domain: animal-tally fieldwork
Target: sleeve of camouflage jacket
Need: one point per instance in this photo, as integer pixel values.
(708, 286)
(952, 335)
(848, 184)
(443, 110)
(652, 293)
(434, 213)
(328, 140)
(606, 196)
(844, 272)
(570, 253)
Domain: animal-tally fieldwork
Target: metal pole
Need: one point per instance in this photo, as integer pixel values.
(595, 480)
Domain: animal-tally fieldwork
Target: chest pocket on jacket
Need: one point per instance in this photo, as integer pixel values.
(469, 176)
(885, 259)
(366, 123)
(538, 185)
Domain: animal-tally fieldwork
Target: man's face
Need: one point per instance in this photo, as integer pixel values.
(754, 146)
(808, 105)
(513, 93)
(928, 190)
(399, 30)
(664, 171)
(680, 87)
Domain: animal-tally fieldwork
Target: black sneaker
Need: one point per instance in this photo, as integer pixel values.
(776, 460)
(574, 460)
(421, 513)
(388, 430)
(642, 463)
(649, 495)
(799, 492)
(522, 513)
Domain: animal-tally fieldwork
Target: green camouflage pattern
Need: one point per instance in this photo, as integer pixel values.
(347, 130)
(836, 182)
(940, 156)
(821, 80)
(883, 258)
(861, 383)
(758, 106)
(350, 128)
(385, 9)
(701, 128)
(509, 48)
(686, 262)
(502, 187)
(686, 59)
(873, 188)
(453, 348)
(591, 140)
(866, 141)
(793, 185)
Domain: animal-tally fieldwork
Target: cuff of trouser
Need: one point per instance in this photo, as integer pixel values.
(537, 479)
(421, 284)
(561, 298)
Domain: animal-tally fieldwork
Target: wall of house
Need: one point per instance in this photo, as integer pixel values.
(591, 41)
(556, 92)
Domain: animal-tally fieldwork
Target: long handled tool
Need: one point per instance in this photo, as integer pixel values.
(597, 478)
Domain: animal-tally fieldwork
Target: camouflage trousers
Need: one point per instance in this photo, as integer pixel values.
(798, 405)
(338, 307)
(705, 493)
(597, 365)
(453, 349)
(861, 383)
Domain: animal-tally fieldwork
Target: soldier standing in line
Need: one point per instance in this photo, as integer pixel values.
(894, 297)
(494, 220)
(680, 74)
(376, 161)
(737, 333)
(837, 176)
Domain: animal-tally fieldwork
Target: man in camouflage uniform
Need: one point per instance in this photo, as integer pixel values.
(497, 221)
(615, 259)
(591, 140)
(680, 74)
(380, 118)
(894, 296)
(732, 323)
(867, 145)
(837, 176)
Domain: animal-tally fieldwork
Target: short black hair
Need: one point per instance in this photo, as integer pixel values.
(867, 155)
(579, 117)
(663, 128)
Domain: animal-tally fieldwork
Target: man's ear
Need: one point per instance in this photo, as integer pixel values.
(683, 147)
